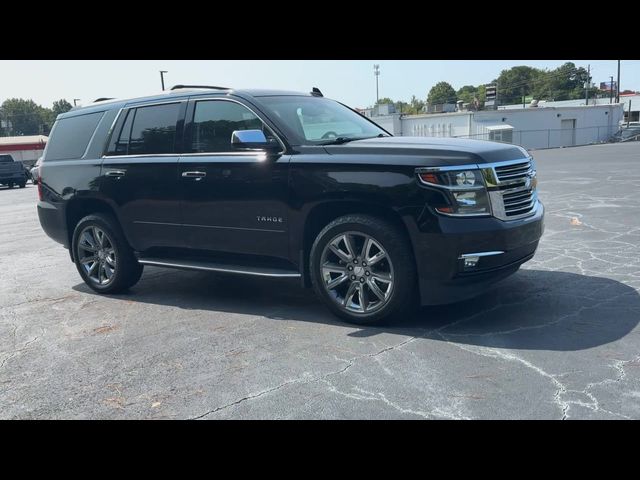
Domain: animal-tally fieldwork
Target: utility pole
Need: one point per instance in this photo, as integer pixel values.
(162, 72)
(611, 89)
(376, 72)
(587, 85)
(618, 85)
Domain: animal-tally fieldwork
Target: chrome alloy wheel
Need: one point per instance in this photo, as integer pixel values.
(357, 272)
(97, 255)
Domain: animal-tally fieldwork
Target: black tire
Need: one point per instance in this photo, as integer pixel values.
(127, 271)
(401, 301)
(22, 185)
(10, 184)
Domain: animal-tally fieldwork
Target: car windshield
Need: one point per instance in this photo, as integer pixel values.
(318, 120)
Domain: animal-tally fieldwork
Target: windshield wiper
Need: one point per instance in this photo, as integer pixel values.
(341, 140)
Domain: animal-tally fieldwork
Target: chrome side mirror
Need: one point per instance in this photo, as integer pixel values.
(252, 140)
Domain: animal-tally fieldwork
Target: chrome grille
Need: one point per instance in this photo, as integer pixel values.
(510, 173)
(518, 202)
(512, 188)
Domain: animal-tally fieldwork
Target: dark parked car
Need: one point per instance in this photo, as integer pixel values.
(12, 172)
(285, 185)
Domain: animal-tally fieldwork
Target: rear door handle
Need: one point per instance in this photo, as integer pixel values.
(115, 173)
(195, 174)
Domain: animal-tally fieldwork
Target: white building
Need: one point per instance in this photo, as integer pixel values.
(25, 149)
(547, 127)
(630, 103)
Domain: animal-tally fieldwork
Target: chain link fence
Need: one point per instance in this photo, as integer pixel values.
(550, 137)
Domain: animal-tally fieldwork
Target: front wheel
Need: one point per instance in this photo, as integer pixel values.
(103, 258)
(363, 269)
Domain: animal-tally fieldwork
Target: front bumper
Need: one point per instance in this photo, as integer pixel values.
(439, 242)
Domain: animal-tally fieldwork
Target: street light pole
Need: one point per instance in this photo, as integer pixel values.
(162, 72)
(618, 85)
(376, 72)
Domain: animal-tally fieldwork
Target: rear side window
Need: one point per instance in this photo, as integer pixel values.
(146, 131)
(70, 136)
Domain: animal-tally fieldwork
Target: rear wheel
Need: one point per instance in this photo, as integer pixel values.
(363, 269)
(22, 185)
(103, 258)
(10, 184)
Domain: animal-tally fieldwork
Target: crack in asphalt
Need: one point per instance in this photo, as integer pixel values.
(17, 351)
(305, 378)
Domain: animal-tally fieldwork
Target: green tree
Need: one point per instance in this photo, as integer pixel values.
(384, 100)
(441, 92)
(515, 82)
(563, 83)
(26, 117)
(61, 106)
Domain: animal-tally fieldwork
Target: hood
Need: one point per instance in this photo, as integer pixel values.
(427, 151)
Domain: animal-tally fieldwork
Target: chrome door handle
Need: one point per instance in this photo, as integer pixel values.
(194, 174)
(115, 173)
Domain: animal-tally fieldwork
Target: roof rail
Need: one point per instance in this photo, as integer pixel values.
(102, 99)
(213, 87)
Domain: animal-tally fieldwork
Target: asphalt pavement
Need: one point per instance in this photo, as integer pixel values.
(558, 340)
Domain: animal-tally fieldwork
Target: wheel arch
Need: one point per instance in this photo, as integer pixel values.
(324, 213)
(78, 208)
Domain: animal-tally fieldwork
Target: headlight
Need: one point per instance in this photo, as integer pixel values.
(465, 190)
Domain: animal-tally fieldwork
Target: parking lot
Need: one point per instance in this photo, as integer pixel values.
(559, 339)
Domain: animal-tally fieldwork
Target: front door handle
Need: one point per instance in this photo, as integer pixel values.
(196, 175)
(115, 173)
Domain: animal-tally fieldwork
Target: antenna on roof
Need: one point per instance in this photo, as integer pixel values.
(213, 87)
(315, 91)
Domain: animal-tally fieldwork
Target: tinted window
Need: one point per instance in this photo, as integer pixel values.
(6, 158)
(153, 130)
(318, 120)
(70, 136)
(214, 121)
(121, 146)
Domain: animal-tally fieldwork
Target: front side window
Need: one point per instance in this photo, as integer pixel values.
(318, 120)
(214, 121)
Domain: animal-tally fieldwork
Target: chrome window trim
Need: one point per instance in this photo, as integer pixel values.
(128, 107)
(142, 155)
(219, 98)
(110, 132)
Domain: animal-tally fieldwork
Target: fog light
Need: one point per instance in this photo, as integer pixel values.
(471, 262)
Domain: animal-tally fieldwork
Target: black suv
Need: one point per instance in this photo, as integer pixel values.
(283, 184)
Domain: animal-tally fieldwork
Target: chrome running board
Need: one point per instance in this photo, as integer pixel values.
(219, 267)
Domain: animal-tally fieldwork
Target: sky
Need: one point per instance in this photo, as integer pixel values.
(349, 81)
